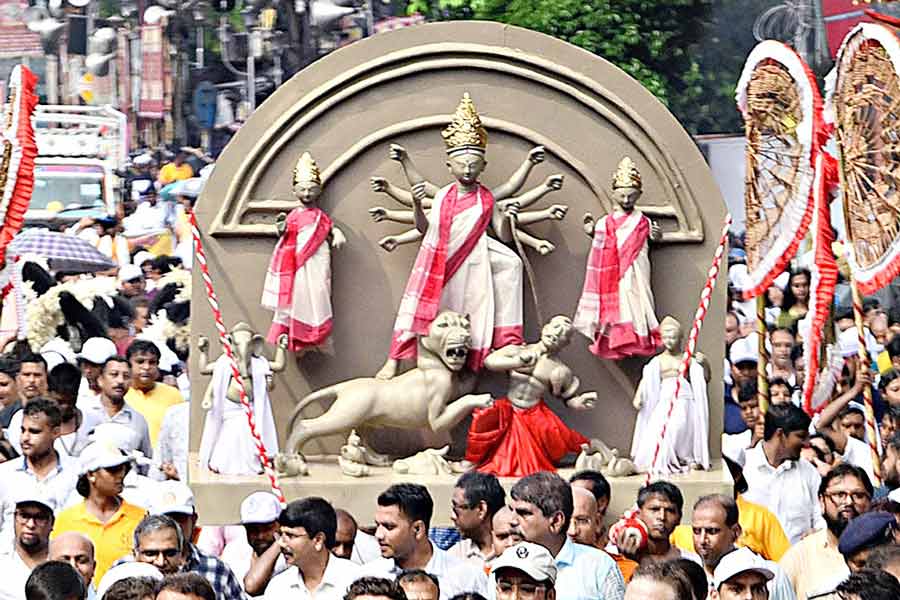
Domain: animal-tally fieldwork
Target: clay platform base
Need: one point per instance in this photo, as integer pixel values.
(218, 497)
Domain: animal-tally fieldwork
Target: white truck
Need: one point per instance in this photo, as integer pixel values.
(80, 149)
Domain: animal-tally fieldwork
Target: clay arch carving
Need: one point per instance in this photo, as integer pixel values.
(244, 210)
(402, 87)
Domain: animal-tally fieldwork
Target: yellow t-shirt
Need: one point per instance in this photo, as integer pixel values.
(762, 532)
(153, 405)
(169, 172)
(112, 540)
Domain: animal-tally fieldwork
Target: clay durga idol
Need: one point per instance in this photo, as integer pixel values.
(520, 435)
(616, 309)
(459, 266)
(298, 281)
(226, 445)
(686, 445)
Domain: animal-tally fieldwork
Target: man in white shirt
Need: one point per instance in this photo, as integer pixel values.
(41, 467)
(735, 445)
(33, 523)
(94, 353)
(402, 518)
(114, 380)
(778, 479)
(476, 498)
(307, 529)
(257, 558)
(76, 549)
(716, 530)
(542, 506)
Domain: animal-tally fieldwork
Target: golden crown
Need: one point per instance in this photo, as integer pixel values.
(627, 175)
(307, 170)
(465, 131)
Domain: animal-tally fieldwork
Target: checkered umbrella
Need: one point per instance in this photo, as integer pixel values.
(63, 252)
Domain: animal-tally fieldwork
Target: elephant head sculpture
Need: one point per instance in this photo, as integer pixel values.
(246, 344)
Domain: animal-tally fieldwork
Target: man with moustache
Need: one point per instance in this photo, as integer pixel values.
(40, 466)
(94, 354)
(542, 507)
(31, 383)
(844, 494)
(34, 521)
(777, 478)
(307, 529)
(716, 529)
(114, 380)
(255, 561)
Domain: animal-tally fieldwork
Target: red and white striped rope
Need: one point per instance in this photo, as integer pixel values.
(691, 346)
(229, 351)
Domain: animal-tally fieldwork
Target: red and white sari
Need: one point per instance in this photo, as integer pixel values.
(298, 281)
(616, 306)
(460, 268)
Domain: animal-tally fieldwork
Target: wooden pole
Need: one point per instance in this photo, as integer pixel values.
(762, 377)
(867, 391)
(858, 316)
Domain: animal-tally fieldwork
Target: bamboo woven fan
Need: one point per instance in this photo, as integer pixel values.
(866, 101)
(781, 106)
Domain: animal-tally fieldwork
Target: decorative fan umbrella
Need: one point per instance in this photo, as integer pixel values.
(865, 98)
(782, 109)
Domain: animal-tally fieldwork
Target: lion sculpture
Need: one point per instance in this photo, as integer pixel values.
(420, 398)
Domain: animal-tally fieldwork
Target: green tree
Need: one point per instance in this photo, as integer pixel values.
(688, 53)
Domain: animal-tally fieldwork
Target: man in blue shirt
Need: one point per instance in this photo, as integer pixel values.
(542, 506)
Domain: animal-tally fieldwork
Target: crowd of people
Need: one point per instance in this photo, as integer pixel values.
(94, 504)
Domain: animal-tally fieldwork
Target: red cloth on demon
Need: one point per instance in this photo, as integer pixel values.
(513, 442)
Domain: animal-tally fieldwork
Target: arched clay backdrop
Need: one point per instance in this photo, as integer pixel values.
(403, 87)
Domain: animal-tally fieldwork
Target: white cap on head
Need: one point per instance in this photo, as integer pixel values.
(782, 280)
(125, 571)
(532, 559)
(742, 560)
(744, 349)
(102, 454)
(129, 272)
(142, 257)
(31, 494)
(142, 160)
(848, 342)
(118, 435)
(173, 497)
(97, 350)
(57, 351)
(260, 508)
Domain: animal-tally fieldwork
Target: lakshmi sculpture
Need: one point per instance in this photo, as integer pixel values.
(616, 309)
(459, 267)
(298, 281)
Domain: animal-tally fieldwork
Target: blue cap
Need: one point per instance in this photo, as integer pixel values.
(737, 254)
(866, 531)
